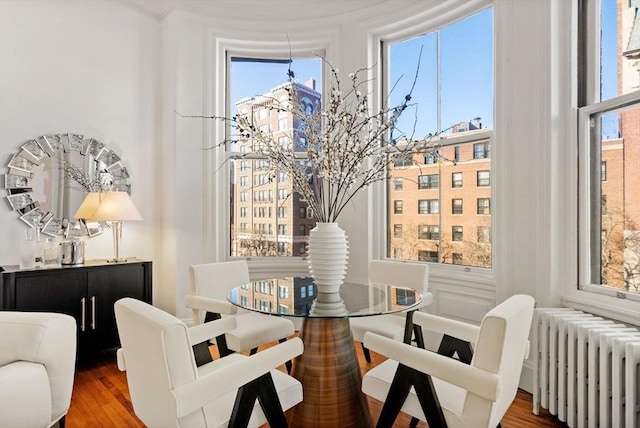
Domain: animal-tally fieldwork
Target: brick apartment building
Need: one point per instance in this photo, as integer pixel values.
(440, 204)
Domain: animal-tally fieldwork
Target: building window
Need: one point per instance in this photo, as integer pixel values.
(428, 256)
(484, 234)
(397, 231)
(283, 292)
(456, 180)
(456, 233)
(431, 181)
(282, 229)
(397, 183)
(243, 211)
(397, 207)
(484, 178)
(282, 212)
(456, 258)
(430, 158)
(603, 171)
(462, 150)
(428, 206)
(481, 151)
(405, 297)
(244, 180)
(429, 232)
(484, 206)
(456, 206)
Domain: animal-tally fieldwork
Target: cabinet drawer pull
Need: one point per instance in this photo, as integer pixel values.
(93, 312)
(82, 301)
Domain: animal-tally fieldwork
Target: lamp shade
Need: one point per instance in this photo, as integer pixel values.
(116, 206)
(89, 206)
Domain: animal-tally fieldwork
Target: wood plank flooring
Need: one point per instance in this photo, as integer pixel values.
(101, 399)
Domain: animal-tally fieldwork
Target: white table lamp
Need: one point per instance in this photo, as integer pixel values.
(89, 206)
(116, 207)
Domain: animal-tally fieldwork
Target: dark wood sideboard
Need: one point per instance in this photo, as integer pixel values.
(87, 292)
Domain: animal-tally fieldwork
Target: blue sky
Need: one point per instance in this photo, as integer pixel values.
(466, 74)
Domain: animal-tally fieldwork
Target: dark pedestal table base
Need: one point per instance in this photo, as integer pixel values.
(330, 376)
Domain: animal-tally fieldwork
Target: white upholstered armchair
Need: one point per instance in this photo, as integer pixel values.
(210, 283)
(37, 366)
(168, 389)
(444, 391)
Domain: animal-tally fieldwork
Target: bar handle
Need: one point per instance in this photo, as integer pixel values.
(82, 302)
(93, 312)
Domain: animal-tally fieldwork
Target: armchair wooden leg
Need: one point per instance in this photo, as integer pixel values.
(451, 345)
(265, 392)
(201, 353)
(288, 364)
(365, 351)
(403, 380)
(221, 341)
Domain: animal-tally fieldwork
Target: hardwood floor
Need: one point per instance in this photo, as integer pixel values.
(101, 399)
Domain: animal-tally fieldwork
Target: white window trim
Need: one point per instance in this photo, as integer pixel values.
(467, 276)
(585, 182)
(584, 298)
(217, 211)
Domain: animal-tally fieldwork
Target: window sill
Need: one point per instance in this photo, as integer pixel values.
(624, 310)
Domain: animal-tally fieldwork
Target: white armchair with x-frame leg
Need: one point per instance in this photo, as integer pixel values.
(168, 389)
(447, 392)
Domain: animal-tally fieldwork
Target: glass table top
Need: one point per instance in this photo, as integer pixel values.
(297, 297)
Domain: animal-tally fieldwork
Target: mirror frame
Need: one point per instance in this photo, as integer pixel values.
(22, 172)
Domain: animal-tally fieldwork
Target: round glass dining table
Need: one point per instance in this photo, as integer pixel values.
(328, 368)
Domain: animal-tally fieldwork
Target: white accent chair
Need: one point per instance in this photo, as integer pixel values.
(210, 283)
(446, 392)
(37, 366)
(168, 389)
(413, 275)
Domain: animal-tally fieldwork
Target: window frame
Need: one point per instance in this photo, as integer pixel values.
(475, 276)
(587, 75)
(588, 178)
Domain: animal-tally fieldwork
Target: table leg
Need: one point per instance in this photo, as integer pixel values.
(330, 376)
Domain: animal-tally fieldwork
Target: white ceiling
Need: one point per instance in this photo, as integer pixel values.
(256, 9)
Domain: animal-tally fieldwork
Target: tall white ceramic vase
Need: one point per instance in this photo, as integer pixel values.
(328, 256)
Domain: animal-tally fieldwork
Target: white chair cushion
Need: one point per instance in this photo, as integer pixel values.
(25, 395)
(253, 329)
(218, 413)
(377, 381)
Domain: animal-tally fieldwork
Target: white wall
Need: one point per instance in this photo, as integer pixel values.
(91, 68)
(109, 72)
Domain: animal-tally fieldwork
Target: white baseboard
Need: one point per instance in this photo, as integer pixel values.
(526, 377)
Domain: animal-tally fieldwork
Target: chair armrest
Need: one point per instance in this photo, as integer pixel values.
(458, 329)
(203, 332)
(45, 338)
(470, 378)
(203, 390)
(210, 305)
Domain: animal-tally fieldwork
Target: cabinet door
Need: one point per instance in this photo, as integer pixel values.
(105, 286)
(52, 293)
(64, 292)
